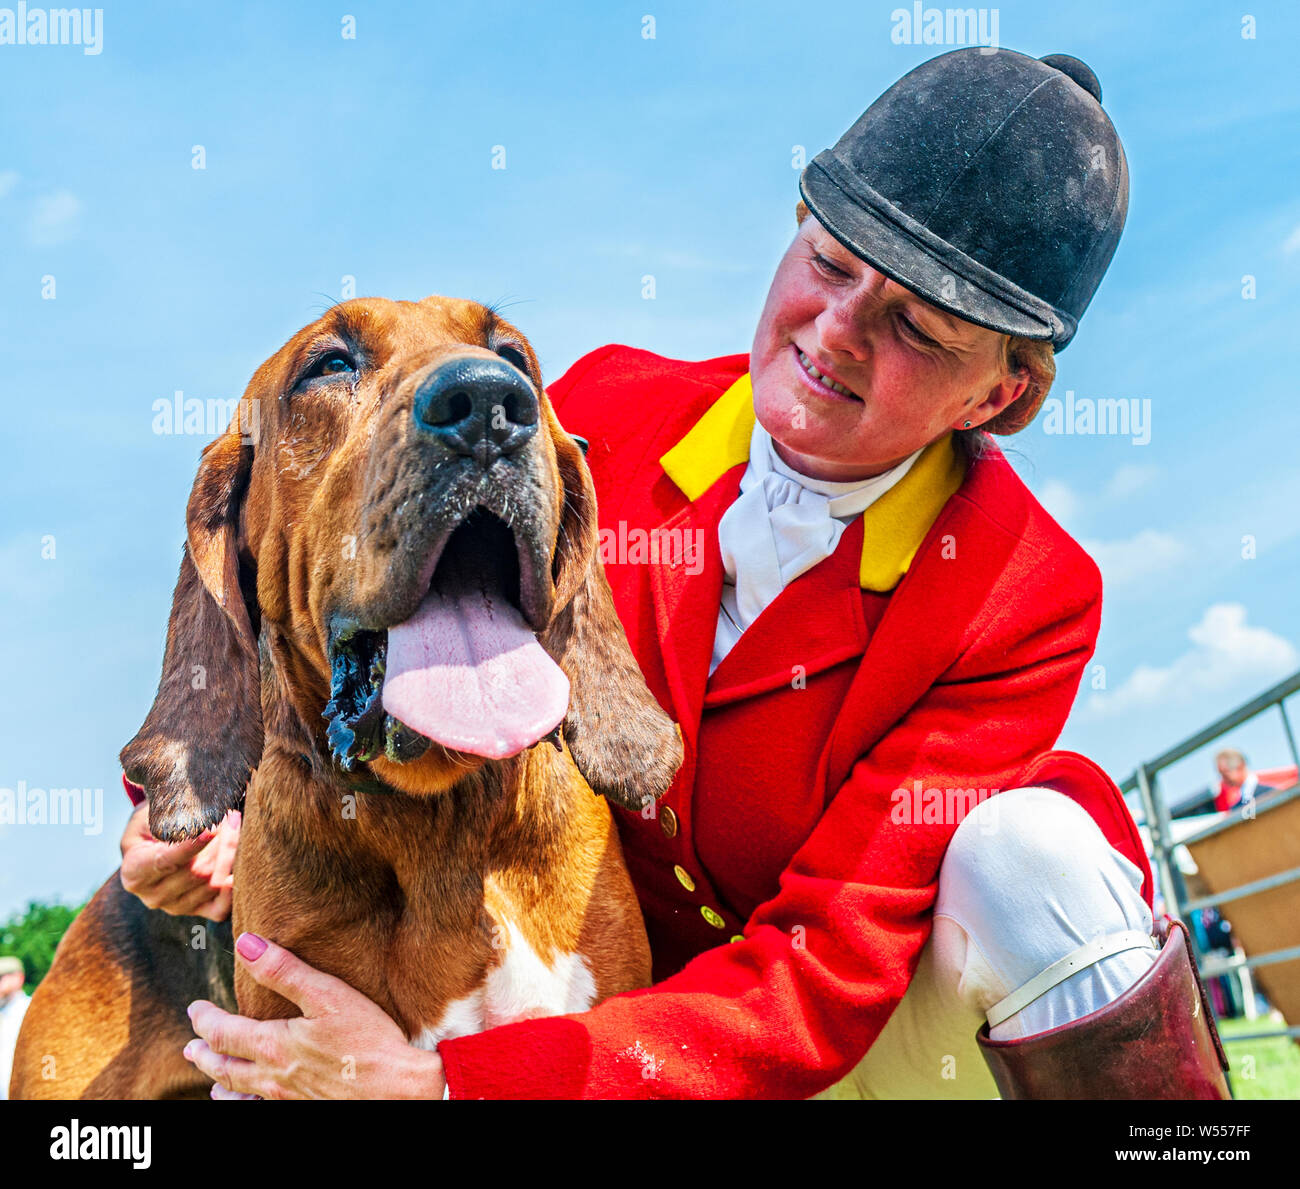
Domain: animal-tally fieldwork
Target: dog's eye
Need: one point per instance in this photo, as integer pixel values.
(330, 365)
(513, 355)
(336, 365)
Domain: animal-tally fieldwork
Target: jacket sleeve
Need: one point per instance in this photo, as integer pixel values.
(792, 1008)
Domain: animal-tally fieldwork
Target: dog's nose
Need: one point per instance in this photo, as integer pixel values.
(481, 408)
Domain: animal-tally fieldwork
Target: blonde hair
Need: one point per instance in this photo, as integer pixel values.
(1038, 356)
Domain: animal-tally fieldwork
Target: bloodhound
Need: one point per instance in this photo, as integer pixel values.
(392, 639)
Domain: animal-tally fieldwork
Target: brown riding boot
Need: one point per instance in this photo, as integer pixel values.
(1157, 1040)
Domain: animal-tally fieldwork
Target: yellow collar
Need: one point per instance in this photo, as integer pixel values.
(892, 528)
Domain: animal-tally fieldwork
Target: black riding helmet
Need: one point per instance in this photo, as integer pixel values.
(992, 184)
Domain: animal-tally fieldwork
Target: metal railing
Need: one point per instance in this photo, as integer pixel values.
(1145, 782)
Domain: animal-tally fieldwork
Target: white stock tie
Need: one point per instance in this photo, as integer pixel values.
(781, 524)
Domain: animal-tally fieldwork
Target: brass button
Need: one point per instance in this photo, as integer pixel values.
(684, 878)
(738, 937)
(668, 821)
(712, 917)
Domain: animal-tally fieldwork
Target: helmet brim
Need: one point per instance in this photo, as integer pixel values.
(877, 232)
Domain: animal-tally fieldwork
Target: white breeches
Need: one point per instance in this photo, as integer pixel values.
(1027, 879)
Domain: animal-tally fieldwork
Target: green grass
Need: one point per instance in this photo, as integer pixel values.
(1261, 1068)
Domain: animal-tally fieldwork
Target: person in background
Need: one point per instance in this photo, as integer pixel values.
(1238, 786)
(1238, 783)
(13, 1006)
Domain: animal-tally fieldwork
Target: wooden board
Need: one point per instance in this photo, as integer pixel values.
(1250, 850)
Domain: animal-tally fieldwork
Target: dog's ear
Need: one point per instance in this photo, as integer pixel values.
(203, 735)
(625, 746)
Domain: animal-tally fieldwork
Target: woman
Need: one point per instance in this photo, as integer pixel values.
(869, 628)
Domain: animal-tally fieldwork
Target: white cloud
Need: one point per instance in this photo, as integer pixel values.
(1137, 557)
(1129, 479)
(8, 180)
(54, 218)
(1059, 500)
(1122, 561)
(1063, 502)
(1226, 653)
(1292, 242)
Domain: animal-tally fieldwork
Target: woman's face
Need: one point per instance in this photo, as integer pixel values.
(912, 371)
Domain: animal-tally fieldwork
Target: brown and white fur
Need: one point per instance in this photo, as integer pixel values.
(456, 892)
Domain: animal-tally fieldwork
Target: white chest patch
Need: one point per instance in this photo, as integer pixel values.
(521, 987)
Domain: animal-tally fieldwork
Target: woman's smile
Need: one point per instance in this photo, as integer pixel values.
(821, 380)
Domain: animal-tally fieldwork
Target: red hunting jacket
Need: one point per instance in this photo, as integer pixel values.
(787, 888)
(788, 877)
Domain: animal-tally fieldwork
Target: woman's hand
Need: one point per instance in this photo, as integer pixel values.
(190, 878)
(342, 1046)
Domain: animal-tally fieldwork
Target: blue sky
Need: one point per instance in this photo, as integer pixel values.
(371, 157)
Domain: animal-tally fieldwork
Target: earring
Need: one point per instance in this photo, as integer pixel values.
(968, 425)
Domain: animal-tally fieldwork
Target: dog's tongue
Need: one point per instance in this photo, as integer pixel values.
(467, 671)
